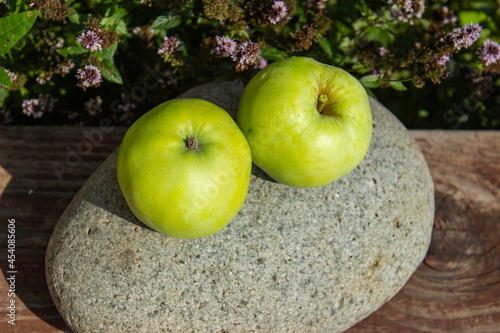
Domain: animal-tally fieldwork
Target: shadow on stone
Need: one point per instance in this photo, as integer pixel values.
(259, 173)
(109, 196)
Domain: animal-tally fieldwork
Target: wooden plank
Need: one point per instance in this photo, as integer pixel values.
(35, 195)
(456, 288)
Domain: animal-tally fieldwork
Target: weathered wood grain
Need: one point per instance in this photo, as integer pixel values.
(456, 289)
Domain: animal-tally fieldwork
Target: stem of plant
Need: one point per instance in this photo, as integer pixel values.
(322, 99)
(192, 143)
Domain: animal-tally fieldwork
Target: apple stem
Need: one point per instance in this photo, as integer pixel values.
(192, 143)
(322, 99)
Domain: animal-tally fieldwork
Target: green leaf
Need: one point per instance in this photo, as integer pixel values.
(370, 81)
(359, 67)
(272, 53)
(325, 45)
(110, 72)
(14, 27)
(116, 21)
(73, 16)
(10, 4)
(72, 50)
(398, 85)
(167, 21)
(468, 16)
(376, 34)
(4, 78)
(359, 23)
(109, 53)
(4, 93)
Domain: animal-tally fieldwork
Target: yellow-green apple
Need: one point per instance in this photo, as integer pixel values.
(184, 168)
(307, 123)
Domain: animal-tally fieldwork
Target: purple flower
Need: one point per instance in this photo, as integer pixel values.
(406, 10)
(64, 67)
(261, 63)
(312, 4)
(278, 12)
(225, 47)
(441, 61)
(448, 16)
(12, 77)
(89, 76)
(169, 47)
(246, 54)
(36, 107)
(93, 106)
(90, 40)
(382, 51)
(43, 78)
(466, 36)
(489, 53)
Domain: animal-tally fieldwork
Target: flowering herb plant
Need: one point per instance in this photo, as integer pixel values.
(434, 63)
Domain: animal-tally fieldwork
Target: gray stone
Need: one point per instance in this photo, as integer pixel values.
(292, 260)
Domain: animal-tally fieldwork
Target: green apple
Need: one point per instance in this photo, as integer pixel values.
(307, 123)
(184, 168)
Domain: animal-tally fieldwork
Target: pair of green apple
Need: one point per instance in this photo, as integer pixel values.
(184, 167)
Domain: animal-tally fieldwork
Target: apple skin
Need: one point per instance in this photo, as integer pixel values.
(289, 138)
(178, 191)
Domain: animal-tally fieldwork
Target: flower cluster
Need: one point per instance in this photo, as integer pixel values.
(125, 108)
(36, 107)
(169, 49)
(13, 78)
(89, 76)
(245, 55)
(278, 12)
(489, 53)
(270, 13)
(96, 37)
(61, 67)
(51, 9)
(301, 40)
(466, 36)
(93, 106)
(242, 54)
(407, 10)
(434, 57)
(226, 47)
(316, 4)
(90, 40)
(448, 16)
(145, 32)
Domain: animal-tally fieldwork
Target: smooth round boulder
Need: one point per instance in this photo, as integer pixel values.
(292, 260)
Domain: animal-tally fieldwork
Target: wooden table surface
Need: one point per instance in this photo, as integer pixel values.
(455, 289)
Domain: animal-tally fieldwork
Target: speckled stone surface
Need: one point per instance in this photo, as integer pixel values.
(293, 260)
